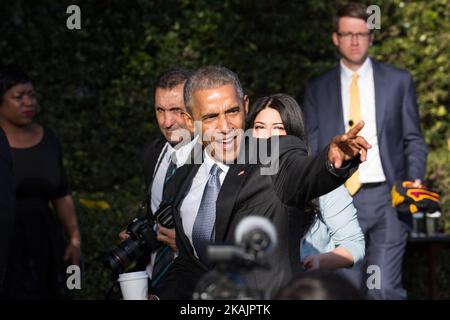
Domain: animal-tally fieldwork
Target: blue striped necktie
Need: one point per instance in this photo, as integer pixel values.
(203, 230)
(170, 172)
(164, 255)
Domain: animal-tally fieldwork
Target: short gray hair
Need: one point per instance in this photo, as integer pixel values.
(211, 77)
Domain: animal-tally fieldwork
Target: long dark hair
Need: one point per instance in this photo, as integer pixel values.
(294, 124)
(290, 113)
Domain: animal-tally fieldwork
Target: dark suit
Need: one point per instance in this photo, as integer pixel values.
(149, 160)
(403, 157)
(151, 153)
(150, 156)
(246, 192)
(7, 201)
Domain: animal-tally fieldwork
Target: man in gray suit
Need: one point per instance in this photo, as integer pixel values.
(384, 97)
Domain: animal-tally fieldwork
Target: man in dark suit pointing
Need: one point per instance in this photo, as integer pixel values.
(213, 195)
(384, 97)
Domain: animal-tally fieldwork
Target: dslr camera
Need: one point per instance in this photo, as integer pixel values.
(142, 239)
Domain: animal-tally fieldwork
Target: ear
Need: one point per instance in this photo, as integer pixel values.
(335, 39)
(246, 101)
(189, 122)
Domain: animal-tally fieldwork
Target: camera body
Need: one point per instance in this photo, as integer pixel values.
(142, 240)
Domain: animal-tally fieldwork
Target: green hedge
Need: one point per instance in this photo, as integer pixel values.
(94, 83)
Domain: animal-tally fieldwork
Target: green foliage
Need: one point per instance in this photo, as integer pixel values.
(416, 276)
(438, 173)
(100, 229)
(95, 84)
(415, 36)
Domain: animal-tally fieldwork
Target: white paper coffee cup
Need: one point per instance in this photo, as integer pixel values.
(134, 285)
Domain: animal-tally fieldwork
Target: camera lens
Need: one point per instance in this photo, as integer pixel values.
(122, 256)
(142, 239)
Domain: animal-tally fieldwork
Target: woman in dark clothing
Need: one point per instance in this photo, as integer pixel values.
(7, 201)
(36, 265)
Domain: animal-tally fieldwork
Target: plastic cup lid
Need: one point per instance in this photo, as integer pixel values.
(133, 275)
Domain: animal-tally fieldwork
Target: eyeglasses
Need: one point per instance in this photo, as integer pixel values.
(350, 35)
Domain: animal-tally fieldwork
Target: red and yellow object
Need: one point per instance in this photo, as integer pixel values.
(408, 198)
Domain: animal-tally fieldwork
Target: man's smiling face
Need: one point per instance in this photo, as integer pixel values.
(222, 118)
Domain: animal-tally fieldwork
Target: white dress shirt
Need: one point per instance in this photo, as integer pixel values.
(370, 171)
(182, 154)
(191, 203)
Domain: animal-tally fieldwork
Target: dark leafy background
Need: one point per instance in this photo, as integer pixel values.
(94, 86)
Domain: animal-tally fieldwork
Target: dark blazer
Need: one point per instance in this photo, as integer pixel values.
(246, 192)
(7, 204)
(150, 157)
(402, 148)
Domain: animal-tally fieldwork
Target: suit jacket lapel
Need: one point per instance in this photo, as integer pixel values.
(335, 98)
(181, 182)
(227, 198)
(381, 87)
(159, 145)
(157, 148)
(181, 185)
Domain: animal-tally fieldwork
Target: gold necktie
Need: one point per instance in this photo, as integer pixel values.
(353, 183)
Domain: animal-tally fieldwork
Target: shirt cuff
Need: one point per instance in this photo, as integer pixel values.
(356, 249)
(345, 170)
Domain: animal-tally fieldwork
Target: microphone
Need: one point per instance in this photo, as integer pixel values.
(256, 234)
(254, 237)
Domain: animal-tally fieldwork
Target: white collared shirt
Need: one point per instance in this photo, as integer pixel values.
(191, 203)
(182, 154)
(371, 171)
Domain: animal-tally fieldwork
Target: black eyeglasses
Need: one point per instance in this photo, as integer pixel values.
(350, 35)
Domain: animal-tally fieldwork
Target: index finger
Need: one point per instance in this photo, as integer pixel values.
(353, 132)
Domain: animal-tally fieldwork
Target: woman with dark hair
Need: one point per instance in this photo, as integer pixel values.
(289, 113)
(335, 239)
(36, 265)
